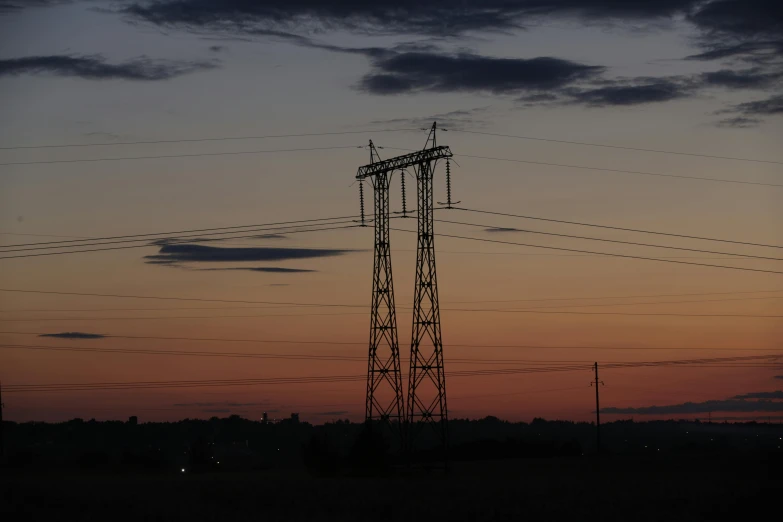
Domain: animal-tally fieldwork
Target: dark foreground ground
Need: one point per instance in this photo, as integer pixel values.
(614, 488)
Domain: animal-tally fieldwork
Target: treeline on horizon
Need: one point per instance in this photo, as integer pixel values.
(235, 443)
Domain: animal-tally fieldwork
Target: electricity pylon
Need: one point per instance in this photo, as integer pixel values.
(427, 378)
(427, 381)
(384, 400)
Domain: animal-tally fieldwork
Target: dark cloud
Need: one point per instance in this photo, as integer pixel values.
(278, 284)
(778, 377)
(771, 105)
(753, 78)
(12, 6)
(761, 395)
(729, 405)
(434, 17)
(539, 97)
(635, 92)
(332, 413)
(185, 253)
(411, 72)
(761, 52)
(501, 229)
(740, 18)
(739, 122)
(217, 410)
(95, 67)
(253, 16)
(74, 335)
(271, 269)
(216, 48)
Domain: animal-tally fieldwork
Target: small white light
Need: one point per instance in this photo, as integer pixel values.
(183, 470)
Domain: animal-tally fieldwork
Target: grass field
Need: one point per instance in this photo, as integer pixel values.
(529, 489)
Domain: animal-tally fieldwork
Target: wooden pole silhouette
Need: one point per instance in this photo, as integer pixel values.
(596, 383)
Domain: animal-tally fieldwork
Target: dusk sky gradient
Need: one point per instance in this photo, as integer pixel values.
(677, 75)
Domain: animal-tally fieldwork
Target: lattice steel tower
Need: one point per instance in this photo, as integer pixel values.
(384, 379)
(427, 379)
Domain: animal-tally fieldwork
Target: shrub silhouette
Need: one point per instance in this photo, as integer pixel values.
(320, 457)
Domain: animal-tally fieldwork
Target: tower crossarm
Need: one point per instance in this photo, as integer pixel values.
(404, 161)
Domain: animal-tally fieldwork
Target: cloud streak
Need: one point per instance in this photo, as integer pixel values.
(761, 395)
(496, 230)
(74, 335)
(95, 67)
(419, 71)
(728, 405)
(268, 269)
(768, 106)
(189, 253)
(226, 404)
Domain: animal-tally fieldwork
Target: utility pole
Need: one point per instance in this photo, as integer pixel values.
(596, 383)
(2, 440)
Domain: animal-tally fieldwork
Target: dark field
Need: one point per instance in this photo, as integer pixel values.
(613, 488)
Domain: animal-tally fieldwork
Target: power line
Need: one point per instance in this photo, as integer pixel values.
(362, 306)
(197, 140)
(101, 386)
(472, 310)
(615, 241)
(616, 146)
(260, 355)
(584, 167)
(616, 228)
(288, 303)
(340, 133)
(601, 253)
(364, 343)
(194, 155)
(147, 245)
(196, 238)
(620, 297)
(499, 310)
(176, 232)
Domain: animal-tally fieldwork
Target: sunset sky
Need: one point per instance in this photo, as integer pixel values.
(698, 77)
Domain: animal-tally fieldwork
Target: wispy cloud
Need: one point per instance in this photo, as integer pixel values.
(495, 230)
(74, 335)
(452, 120)
(728, 405)
(190, 253)
(226, 404)
(95, 67)
(761, 395)
(739, 122)
(270, 269)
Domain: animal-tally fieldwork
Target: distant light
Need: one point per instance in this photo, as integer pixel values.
(183, 470)
(218, 462)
